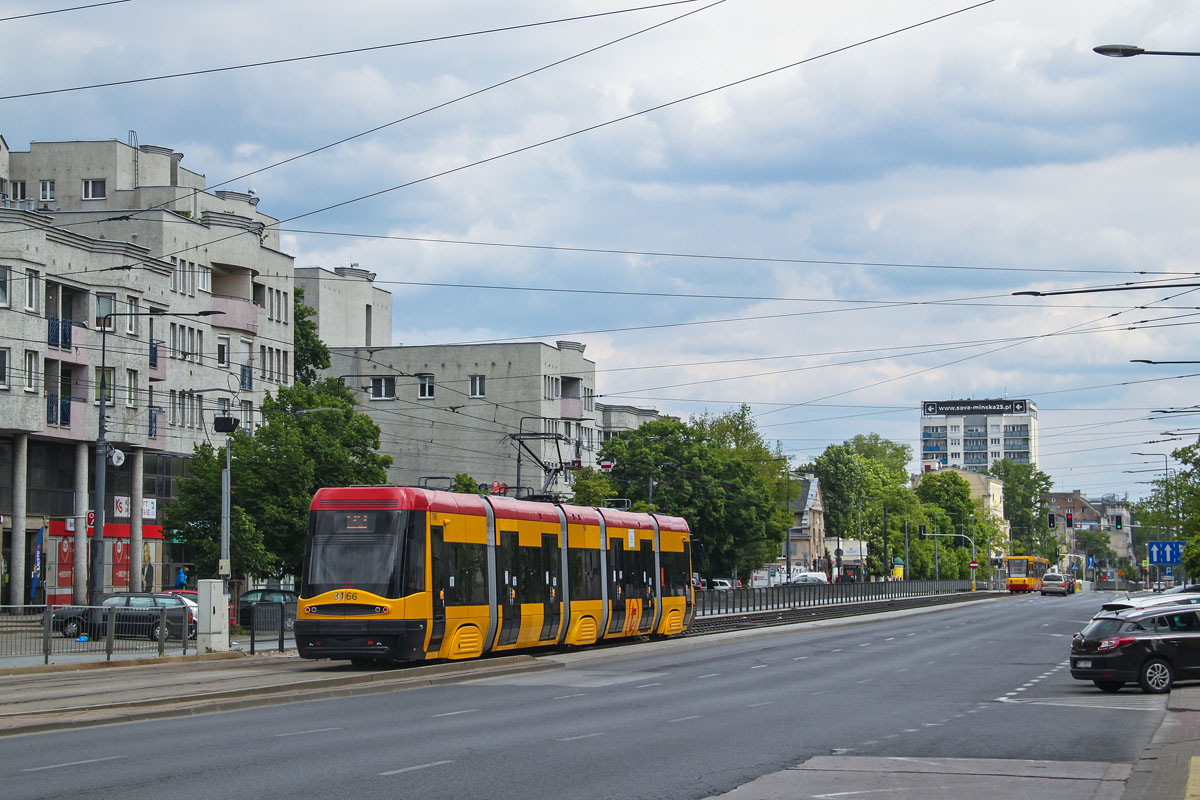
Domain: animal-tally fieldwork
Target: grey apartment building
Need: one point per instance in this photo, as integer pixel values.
(516, 417)
(117, 265)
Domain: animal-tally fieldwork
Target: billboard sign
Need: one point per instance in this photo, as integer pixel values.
(954, 407)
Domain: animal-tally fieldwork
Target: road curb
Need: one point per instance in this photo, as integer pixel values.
(253, 697)
(124, 662)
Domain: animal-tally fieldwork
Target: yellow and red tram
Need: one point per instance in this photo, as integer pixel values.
(1025, 573)
(394, 573)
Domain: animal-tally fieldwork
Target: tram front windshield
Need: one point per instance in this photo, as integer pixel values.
(1018, 568)
(357, 550)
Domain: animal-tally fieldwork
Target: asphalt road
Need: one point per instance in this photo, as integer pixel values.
(689, 719)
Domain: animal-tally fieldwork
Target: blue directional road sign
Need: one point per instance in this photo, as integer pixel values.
(1169, 571)
(1091, 562)
(1165, 552)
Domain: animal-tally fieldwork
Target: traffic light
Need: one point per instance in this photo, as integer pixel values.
(1050, 519)
(1070, 520)
(920, 531)
(1118, 523)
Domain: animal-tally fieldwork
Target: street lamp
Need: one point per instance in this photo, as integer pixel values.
(1131, 50)
(96, 567)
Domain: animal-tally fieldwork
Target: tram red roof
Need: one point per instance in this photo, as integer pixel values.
(581, 515)
(626, 519)
(509, 508)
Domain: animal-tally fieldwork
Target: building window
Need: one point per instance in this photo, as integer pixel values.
(204, 278)
(174, 274)
(995, 441)
(4, 367)
(477, 385)
(5, 274)
(248, 415)
(105, 378)
(954, 429)
(31, 290)
(956, 455)
(222, 351)
(31, 370)
(47, 190)
(425, 387)
(18, 190)
(131, 382)
(104, 307)
(131, 321)
(285, 308)
(262, 361)
(93, 189)
(383, 388)
(995, 454)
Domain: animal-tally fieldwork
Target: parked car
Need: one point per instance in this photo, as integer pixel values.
(1130, 602)
(135, 614)
(1183, 588)
(810, 577)
(267, 615)
(720, 585)
(193, 598)
(1054, 583)
(1153, 647)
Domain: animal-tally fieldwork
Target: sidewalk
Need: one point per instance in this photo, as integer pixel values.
(1169, 767)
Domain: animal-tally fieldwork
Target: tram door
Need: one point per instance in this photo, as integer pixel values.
(441, 585)
(646, 580)
(552, 588)
(616, 586)
(508, 558)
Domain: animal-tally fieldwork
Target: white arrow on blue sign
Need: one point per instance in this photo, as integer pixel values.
(1165, 552)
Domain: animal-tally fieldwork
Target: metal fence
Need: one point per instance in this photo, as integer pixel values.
(268, 623)
(763, 598)
(93, 631)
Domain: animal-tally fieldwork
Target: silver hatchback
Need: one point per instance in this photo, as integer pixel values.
(1053, 583)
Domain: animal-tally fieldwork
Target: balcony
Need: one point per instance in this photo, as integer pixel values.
(58, 410)
(571, 408)
(238, 313)
(59, 332)
(158, 361)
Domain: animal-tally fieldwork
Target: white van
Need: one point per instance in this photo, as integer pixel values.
(809, 577)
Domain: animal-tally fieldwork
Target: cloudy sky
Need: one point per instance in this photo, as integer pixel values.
(819, 209)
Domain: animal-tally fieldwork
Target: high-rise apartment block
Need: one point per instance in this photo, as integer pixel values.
(972, 435)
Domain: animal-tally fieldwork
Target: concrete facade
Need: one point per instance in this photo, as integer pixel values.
(1100, 514)
(170, 252)
(450, 409)
(987, 490)
(358, 313)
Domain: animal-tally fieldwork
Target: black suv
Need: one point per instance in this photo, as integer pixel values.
(133, 614)
(1153, 647)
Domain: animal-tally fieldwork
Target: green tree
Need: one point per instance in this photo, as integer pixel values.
(464, 484)
(591, 487)
(311, 355)
(311, 437)
(894, 456)
(1026, 506)
(844, 476)
(195, 518)
(711, 473)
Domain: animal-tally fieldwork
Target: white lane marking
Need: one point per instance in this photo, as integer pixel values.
(799, 658)
(836, 650)
(865, 680)
(569, 696)
(73, 763)
(582, 736)
(758, 666)
(764, 703)
(709, 675)
(910, 634)
(685, 719)
(647, 685)
(301, 733)
(865, 644)
(890, 639)
(456, 713)
(416, 767)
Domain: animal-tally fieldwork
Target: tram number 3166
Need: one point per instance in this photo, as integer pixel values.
(345, 595)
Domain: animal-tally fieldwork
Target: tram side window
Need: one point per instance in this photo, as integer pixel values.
(584, 566)
(674, 574)
(414, 554)
(468, 567)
